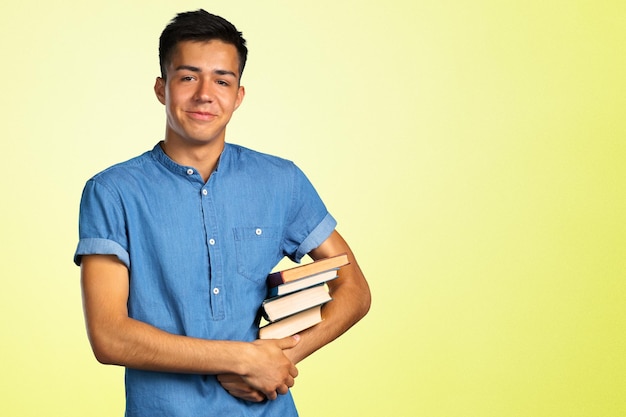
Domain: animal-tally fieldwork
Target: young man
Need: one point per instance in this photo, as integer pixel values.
(175, 246)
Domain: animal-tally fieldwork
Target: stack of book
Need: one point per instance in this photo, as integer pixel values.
(296, 296)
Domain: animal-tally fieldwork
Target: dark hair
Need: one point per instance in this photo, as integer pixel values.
(199, 25)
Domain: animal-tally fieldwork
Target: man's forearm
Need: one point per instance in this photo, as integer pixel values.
(137, 345)
(118, 339)
(351, 301)
(262, 364)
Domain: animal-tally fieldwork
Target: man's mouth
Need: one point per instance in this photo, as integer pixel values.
(201, 115)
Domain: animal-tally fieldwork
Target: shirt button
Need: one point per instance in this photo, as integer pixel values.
(216, 290)
(204, 191)
(211, 242)
(190, 171)
(258, 232)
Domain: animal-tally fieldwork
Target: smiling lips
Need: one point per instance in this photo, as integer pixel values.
(201, 115)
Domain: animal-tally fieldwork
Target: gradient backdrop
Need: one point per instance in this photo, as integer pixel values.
(473, 152)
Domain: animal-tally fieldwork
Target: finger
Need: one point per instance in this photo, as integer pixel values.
(283, 389)
(293, 371)
(253, 396)
(288, 342)
(228, 378)
(243, 391)
(233, 386)
(271, 395)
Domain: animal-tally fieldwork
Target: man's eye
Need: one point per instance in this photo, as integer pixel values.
(222, 82)
(187, 78)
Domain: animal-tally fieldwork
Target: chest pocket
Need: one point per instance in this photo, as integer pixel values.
(258, 251)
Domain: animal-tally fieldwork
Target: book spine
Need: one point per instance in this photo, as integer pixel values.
(275, 279)
(272, 292)
(271, 320)
(287, 288)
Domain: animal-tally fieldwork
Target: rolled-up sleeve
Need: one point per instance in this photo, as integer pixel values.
(101, 224)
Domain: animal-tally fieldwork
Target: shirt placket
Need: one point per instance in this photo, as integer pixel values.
(214, 245)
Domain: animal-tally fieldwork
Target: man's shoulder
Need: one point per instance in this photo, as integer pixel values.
(242, 155)
(122, 170)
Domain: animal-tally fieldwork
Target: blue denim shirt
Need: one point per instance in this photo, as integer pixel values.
(198, 254)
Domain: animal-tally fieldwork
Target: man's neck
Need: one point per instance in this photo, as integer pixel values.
(203, 157)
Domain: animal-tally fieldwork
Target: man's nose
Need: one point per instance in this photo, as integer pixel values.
(205, 92)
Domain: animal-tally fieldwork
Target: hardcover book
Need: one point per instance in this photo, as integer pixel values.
(279, 307)
(292, 324)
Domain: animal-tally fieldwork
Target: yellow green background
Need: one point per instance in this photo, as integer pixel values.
(473, 152)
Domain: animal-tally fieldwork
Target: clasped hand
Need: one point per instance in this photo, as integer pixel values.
(267, 373)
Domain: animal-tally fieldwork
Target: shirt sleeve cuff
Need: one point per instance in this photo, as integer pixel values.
(96, 246)
(316, 237)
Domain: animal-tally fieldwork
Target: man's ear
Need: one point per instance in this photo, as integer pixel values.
(241, 93)
(159, 89)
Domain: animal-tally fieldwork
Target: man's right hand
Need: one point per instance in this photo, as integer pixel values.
(268, 371)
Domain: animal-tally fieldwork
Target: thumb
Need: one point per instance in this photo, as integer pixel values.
(288, 342)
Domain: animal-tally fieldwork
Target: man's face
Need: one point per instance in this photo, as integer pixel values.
(201, 92)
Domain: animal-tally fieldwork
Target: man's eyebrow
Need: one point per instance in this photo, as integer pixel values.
(196, 69)
(225, 72)
(188, 68)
